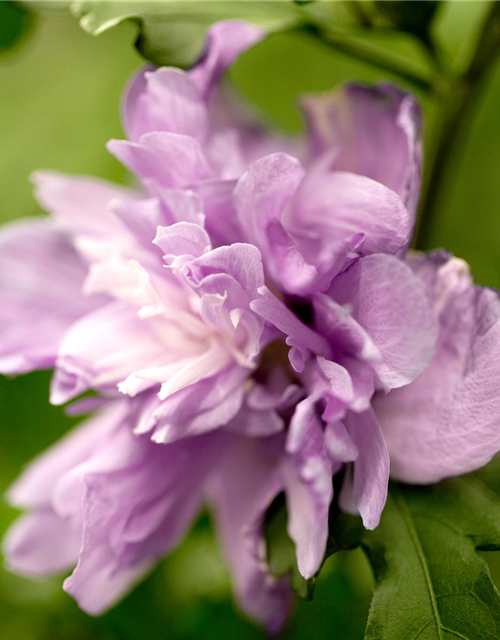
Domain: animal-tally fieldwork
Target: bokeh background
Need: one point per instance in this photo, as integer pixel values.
(60, 91)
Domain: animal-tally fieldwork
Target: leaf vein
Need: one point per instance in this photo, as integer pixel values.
(408, 520)
(423, 628)
(457, 634)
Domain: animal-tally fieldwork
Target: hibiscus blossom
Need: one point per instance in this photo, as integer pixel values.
(252, 323)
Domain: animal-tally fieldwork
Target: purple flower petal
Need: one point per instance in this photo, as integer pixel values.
(391, 304)
(164, 100)
(371, 467)
(308, 486)
(102, 349)
(210, 403)
(376, 132)
(41, 544)
(333, 208)
(170, 159)
(41, 278)
(226, 40)
(82, 204)
(302, 340)
(183, 238)
(261, 196)
(241, 262)
(134, 512)
(339, 444)
(446, 422)
(245, 485)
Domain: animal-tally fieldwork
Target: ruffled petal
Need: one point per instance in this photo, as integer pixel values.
(182, 239)
(165, 99)
(210, 403)
(241, 262)
(376, 132)
(261, 196)
(303, 340)
(102, 349)
(168, 159)
(226, 40)
(391, 304)
(134, 510)
(344, 333)
(446, 422)
(334, 208)
(82, 204)
(41, 279)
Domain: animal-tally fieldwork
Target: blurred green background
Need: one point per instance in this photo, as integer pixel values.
(59, 103)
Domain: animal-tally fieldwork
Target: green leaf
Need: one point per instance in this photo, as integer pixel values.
(410, 15)
(431, 584)
(281, 557)
(15, 22)
(173, 33)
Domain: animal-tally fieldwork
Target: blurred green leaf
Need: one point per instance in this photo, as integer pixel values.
(15, 22)
(173, 33)
(409, 15)
(281, 557)
(431, 583)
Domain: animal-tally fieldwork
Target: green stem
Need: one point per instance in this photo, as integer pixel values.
(457, 100)
(373, 55)
(455, 105)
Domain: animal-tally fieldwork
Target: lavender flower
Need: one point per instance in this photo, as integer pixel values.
(253, 325)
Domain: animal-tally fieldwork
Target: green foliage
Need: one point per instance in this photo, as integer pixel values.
(408, 15)
(15, 21)
(431, 583)
(172, 33)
